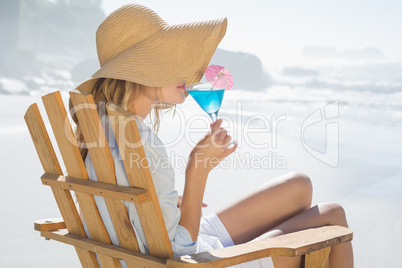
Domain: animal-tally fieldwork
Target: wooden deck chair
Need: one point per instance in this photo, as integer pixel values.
(314, 243)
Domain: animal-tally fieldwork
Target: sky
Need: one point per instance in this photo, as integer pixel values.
(278, 30)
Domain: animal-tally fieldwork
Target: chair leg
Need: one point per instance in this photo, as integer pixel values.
(318, 259)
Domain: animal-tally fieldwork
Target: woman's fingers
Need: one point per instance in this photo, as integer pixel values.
(216, 126)
(230, 150)
(226, 141)
(221, 134)
(221, 139)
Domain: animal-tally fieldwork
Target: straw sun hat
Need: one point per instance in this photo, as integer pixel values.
(136, 45)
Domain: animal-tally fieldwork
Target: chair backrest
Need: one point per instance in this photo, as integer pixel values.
(141, 192)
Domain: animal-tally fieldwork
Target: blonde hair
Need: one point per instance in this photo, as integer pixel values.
(118, 91)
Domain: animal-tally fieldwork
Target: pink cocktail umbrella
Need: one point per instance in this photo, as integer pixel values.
(215, 72)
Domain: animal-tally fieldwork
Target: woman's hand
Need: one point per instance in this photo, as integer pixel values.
(211, 149)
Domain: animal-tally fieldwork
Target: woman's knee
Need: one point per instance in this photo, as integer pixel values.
(302, 186)
(300, 178)
(334, 214)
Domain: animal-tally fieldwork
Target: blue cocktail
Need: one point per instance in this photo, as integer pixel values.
(209, 101)
(208, 95)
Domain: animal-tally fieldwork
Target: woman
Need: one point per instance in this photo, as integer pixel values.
(145, 64)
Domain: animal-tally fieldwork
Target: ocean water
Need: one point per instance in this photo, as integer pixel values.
(361, 101)
(368, 91)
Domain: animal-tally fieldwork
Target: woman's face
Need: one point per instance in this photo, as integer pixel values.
(174, 94)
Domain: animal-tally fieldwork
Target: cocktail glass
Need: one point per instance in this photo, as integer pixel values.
(209, 95)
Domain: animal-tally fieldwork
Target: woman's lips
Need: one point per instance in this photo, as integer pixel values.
(182, 86)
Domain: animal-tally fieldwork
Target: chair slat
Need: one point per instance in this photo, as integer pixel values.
(129, 194)
(75, 166)
(104, 165)
(63, 197)
(41, 140)
(126, 132)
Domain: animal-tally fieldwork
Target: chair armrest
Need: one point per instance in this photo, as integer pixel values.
(293, 244)
(130, 256)
(49, 224)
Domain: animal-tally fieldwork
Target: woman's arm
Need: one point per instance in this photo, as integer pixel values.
(207, 154)
(180, 198)
(191, 204)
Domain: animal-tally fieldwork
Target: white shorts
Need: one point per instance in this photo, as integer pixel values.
(213, 234)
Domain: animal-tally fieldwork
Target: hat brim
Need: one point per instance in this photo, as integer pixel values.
(176, 53)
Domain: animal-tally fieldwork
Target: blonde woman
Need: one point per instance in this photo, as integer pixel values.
(145, 64)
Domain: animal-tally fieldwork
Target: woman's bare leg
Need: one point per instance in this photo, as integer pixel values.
(283, 206)
(320, 215)
(279, 200)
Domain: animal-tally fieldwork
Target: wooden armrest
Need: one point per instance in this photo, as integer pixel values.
(130, 256)
(49, 224)
(293, 244)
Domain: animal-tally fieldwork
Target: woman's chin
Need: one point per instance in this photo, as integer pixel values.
(180, 100)
(174, 102)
